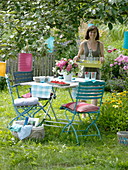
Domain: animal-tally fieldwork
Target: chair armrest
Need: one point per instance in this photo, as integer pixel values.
(15, 85)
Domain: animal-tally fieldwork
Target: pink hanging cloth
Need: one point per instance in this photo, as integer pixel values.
(25, 62)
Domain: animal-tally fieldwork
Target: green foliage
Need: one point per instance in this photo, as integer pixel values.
(25, 25)
(2, 83)
(57, 151)
(114, 36)
(116, 84)
(106, 70)
(65, 49)
(114, 112)
(115, 77)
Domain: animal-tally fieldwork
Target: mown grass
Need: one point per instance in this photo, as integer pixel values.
(55, 151)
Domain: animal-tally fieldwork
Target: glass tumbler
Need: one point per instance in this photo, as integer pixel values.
(87, 76)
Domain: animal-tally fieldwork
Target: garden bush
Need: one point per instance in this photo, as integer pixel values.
(2, 83)
(114, 112)
(115, 70)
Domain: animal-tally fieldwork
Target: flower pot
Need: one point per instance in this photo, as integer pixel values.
(67, 77)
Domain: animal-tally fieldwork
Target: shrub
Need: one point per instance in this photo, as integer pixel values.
(114, 70)
(110, 54)
(2, 83)
(114, 112)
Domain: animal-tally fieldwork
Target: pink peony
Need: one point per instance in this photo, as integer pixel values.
(66, 65)
(61, 64)
(125, 67)
(109, 51)
(115, 63)
(120, 58)
(126, 59)
(69, 67)
(111, 65)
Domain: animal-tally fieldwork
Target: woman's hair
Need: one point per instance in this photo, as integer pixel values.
(91, 28)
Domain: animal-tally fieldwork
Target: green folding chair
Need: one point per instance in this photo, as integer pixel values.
(85, 91)
(24, 107)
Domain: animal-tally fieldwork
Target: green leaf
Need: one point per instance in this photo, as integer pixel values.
(110, 26)
(120, 19)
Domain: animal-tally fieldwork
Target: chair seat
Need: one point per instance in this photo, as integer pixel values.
(81, 107)
(26, 101)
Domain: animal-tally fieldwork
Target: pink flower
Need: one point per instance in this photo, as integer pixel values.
(125, 67)
(109, 51)
(61, 64)
(69, 67)
(115, 63)
(126, 59)
(111, 65)
(120, 58)
(114, 49)
(66, 65)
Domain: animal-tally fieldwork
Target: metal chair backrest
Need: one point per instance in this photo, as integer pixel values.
(90, 90)
(10, 89)
(20, 76)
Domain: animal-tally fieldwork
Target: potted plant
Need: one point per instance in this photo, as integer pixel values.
(67, 67)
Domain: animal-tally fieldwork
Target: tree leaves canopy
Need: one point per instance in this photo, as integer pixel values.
(26, 24)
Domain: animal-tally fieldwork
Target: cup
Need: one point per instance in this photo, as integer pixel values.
(96, 60)
(42, 79)
(49, 78)
(93, 75)
(87, 76)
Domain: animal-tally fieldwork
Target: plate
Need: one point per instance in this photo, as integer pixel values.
(66, 84)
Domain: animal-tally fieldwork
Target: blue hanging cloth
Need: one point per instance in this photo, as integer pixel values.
(50, 44)
(89, 25)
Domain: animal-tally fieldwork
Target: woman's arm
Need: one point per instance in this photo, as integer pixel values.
(102, 52)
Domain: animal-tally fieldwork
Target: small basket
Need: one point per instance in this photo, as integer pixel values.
(123, 137)
(36, 133)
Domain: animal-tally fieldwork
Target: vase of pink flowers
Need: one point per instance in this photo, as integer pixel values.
(67, 77)
(67, 67)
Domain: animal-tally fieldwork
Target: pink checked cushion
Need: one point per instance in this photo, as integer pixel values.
(81, 107)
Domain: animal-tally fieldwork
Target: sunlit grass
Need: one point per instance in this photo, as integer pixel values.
(55, 151)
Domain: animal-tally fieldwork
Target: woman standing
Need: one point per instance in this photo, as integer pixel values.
(92, 42)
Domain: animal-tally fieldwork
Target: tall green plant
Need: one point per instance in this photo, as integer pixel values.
(114, 112)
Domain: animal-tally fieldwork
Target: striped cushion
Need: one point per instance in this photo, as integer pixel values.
(81, 107)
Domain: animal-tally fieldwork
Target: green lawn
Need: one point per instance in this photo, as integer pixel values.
(57, 152)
